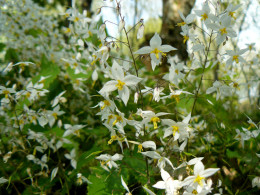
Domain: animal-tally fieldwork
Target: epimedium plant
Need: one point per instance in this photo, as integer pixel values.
(78, 115)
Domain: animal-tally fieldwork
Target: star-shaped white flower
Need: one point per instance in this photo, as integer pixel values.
(156, 50)
(198, 179)
(169, 184)
(120, 82)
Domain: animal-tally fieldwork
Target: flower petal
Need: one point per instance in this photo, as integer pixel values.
(166, 48)
(160, 185)
(144, 50)
(199, 167)
(156, 41)
(131, 80)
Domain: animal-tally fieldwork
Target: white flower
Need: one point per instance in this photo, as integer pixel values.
(205, 14)
(231, 10)
(256, 182)
(59, 99)
(120, 82)
(189, 19)
(72, 157)
(220, 88)
(156, 50)
(175, 73)
(170, 185)
(6, 91)
(235, 56)
(108, 160)
(223, 28)
(156, 93)
(198, 179)
(150, 116)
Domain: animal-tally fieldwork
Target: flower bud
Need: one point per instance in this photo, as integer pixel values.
(98, 11)
(136, 97)
(140, 32)
(121, 25)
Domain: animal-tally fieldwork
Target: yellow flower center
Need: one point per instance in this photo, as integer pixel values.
(6, 92)
(251, 126)
(113, 138)
(140, 148)
(28, 94)
(118, 119)
(68, 30)
(21, 122)
(185, 38)
(77, 132)
(155, 120)
(174, 130)
(120, 85)
(235, 58)
(55, 115)
(223, 31)
(76, 19)
(106, 103)
(235, 85)
(198, 180)
(232, 15)
(194, 192)
(33, 119)
(156, 52)
(181, 24)
(204, 16)
(109, 118)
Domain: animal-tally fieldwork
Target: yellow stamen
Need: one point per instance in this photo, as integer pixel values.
(185, 38)
(109, 118)
(6, 92)
(232, 15)
(33, 119)
(118, 119)
(113, 138)
(55, 115)
(181, 24)
(140, 148)
(235, 58)
(204, 16)
(106, 103)
(174, 130)
(251, 126)
(77, 132)
(198, 180)
(21, 122)
(68, 30)
(155, 120)
(223, 31)
(235, 85)
(76, 19)
(156, 52)
(120, 85)
(194, 192)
